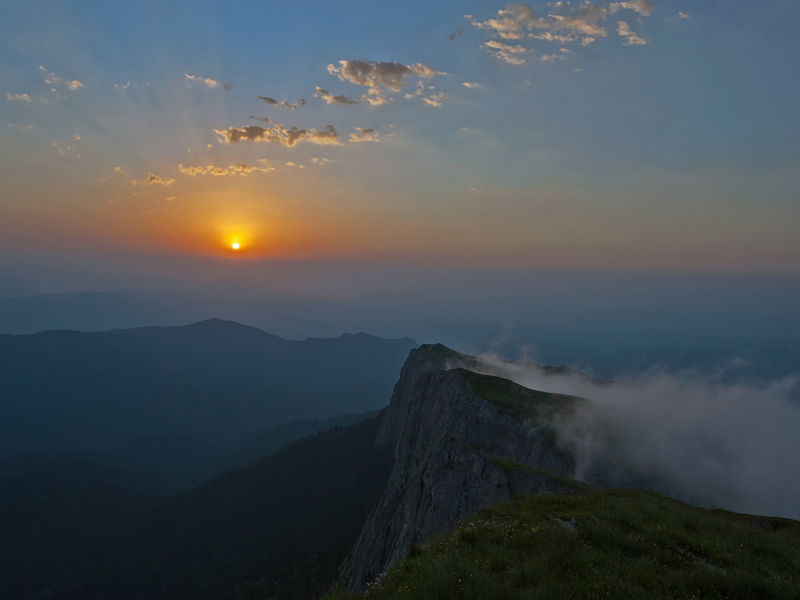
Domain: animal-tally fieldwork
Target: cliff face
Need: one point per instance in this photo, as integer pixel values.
(449, 443)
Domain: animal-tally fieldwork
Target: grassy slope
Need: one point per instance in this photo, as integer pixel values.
(599, 544)
(602, 544)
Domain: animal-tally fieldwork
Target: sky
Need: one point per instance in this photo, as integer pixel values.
(365, 147)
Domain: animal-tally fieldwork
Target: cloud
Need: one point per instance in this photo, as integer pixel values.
(237, 169)
(118, 86)
(510, 22)
(683, 16)
(19, 97)
(331, 99)
(506, 52)
(325, 161)
(212, 83)
(280, 135)
(472, 86)
(56, 81)
(552, 57)
(435, 100)
(283, 103)
(693, 437)
(583, 21)
(153, 179)
(64, 149)
(454, 36)
(564, 24)
(364, 135)
(643, 7)
(261, 119)
(379, 76)
(631, 39)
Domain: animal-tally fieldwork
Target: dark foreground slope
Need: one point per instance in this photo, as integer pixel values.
(601, 544)
(213, 383)
(277, 529)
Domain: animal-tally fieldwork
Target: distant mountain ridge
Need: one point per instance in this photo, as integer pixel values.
(215, 381)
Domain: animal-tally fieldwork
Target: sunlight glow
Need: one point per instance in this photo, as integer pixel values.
(235, 245)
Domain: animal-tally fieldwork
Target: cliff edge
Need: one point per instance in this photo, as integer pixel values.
(461, 441)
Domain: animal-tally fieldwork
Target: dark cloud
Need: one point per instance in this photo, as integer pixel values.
(283, 103)
(331, 99)
(280, 135)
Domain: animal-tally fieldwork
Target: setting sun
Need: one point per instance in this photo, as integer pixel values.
(235, 245)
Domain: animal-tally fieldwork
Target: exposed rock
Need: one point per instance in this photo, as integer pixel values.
(449, 445)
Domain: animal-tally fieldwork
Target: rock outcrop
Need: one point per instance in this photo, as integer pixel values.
(456, 452)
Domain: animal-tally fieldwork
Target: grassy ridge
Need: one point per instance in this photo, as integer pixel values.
(601, 544)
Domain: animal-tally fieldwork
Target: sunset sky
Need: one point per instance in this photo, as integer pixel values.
(625, 136)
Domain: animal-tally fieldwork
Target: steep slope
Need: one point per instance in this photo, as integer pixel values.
(601, 544)
(453, 433)
(279, 528)
(214, 381)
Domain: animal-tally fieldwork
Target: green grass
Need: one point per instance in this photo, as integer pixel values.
(523, 404)
(602, 544)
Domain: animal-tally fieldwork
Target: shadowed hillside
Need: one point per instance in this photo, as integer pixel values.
(215, 382)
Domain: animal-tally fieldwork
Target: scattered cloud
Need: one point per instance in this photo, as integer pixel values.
(260, 119)
(506, 52)
(331, 99)
(323, 161)
(563, 24)
(279, 134)
(153, 179)
(364, 135)
(55, 81)
(643, 7)
(552, 57)
(435, 100)
(64, 149)
(472, 86)
(380, 76)
(510, 22)
(283, 103)
(118, 86)
(19, 97)
(236, 169)
(682, 16)
(631, 39)
(212, 83)
(171, 197)
(454, 36)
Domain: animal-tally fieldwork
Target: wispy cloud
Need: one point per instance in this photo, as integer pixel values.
(155, 179)
(471, 85)
(391, 76)
(235, 169)
(506, 52)
(212, 83)
(280, 135)
(563, 24)
(55, 81)
(643, 7)
(631, 38)
(364, 135)
(331, 99)
(435, 100)
(283, 103)
(19, 97)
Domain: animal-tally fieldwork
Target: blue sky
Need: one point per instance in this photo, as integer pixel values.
(656, 136)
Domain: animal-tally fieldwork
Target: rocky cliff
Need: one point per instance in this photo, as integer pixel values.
(461, 442)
